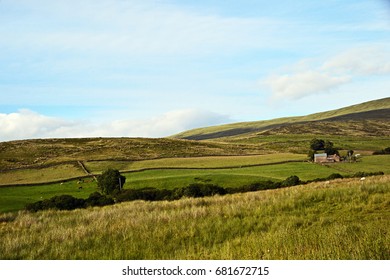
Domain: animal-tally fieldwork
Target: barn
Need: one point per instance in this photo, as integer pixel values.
(320, 158)
(324, 158)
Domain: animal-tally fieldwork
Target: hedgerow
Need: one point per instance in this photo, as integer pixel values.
(67, 202)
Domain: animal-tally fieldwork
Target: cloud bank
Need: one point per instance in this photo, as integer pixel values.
(334, 72)
(27, 124)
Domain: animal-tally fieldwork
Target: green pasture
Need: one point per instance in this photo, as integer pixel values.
(235, 177)
(365, 164)
(14, 198)
(194, 162)
(41, 175)
(229, 178)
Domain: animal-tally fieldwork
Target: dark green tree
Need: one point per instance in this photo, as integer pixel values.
(317, 144)
(111, 181)
(329, 148)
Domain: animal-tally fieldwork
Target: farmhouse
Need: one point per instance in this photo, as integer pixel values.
(324, 158)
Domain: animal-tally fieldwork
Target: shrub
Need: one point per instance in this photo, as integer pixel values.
(291, 181)
(97, 199)
(385, 151)
(258, 186)
(150, 194)
(67, 202)
(335, 176)
(62, 202)
(201, 190)
(366, 174)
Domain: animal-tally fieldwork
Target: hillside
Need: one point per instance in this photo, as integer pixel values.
(45, 152)
(369, 118)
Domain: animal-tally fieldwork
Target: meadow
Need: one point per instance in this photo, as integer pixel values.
(346, 219)
(41, 175)
(194, 162)
(15, 198)
(163, 175)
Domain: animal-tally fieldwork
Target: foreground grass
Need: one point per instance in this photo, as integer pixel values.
(341, 220)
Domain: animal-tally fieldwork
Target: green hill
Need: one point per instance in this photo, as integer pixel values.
(363, 114)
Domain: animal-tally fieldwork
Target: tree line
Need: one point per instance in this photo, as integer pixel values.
(111, 184)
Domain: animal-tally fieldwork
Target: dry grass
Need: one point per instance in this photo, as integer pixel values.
(345, 219)
(41, 175)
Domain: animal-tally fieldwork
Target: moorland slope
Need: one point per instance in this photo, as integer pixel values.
(367, 119)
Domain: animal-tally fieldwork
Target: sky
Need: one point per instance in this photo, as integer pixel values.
(153, 68)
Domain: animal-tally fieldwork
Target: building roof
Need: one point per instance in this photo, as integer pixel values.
(320, 155)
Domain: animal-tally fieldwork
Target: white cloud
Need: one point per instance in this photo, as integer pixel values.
(26, 124)
(361, 61)
(130, 27)
(298, 85)
(306, 79)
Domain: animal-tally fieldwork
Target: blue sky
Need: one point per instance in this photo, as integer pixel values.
(153, 68)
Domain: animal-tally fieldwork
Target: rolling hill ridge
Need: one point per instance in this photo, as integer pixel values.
(369, 118)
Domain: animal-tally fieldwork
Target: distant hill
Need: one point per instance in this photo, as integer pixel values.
(368, 118)
(364, 127)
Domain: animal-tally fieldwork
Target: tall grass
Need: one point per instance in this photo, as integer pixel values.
(346, 219)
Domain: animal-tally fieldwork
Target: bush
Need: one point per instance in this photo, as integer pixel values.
(335, 176)
(67, 202)
(97, 199)
(382, 152)
(201, 190)
(291, 181)
(62, 202)
(366, 174)
(150, 194)
(258, 186)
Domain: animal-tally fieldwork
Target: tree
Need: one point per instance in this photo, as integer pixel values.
(329, 149)
(111, 181)
(317, 144)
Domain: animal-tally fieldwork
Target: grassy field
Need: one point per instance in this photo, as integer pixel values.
(14, 198)
(194, 162)
(41, 175)
(342, 220)
(367, 164)
(230, 178)
(65, 171)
